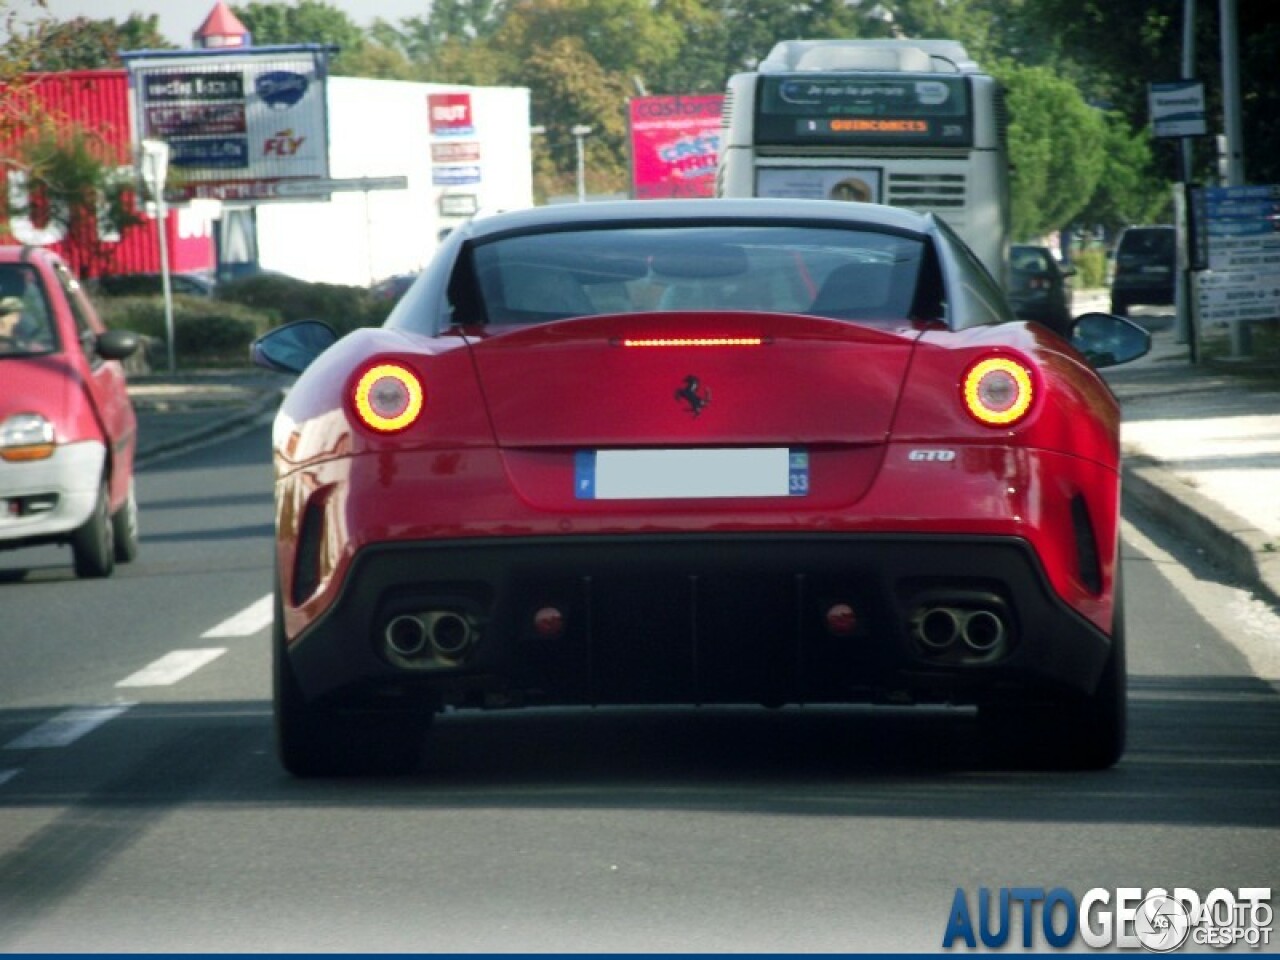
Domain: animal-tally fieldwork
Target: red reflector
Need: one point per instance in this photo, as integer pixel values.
(696, 342)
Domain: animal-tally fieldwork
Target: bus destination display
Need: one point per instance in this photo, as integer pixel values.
(868, 109)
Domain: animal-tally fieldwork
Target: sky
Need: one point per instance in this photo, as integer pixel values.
(180, 18)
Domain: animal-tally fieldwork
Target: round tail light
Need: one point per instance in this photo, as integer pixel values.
(388, 398)
(998, 391)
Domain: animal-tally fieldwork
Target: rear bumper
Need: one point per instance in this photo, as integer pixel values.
(1143, 290)
(699, 619)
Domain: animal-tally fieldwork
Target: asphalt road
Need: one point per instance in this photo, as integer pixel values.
(142, 809)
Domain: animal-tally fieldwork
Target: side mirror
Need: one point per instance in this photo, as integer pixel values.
(1068, 270)
(117, 344)
(293, 347)
(1108, 341)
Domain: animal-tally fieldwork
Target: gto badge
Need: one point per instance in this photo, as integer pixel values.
(694, 395)
(932, 456)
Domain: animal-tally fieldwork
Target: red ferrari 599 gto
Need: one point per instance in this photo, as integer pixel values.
(718, 451)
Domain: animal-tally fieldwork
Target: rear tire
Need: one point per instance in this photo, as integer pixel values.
(1077, 733)
(124, 528)
(93, 545)
(314, 740)
(1119, 307)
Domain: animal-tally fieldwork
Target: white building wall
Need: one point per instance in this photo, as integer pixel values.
(381, 128)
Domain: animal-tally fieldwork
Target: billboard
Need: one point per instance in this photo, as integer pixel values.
(861, 184)
(238, 122)
(675, 142)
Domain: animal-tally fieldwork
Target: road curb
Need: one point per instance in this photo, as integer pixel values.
(218, 427)
(1232, 542)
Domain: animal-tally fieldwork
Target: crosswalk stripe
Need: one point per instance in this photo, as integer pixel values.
(172, 667)
(67, 727)
(247, 622)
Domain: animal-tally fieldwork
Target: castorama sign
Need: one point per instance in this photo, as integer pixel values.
(675, 141)
(238, 121)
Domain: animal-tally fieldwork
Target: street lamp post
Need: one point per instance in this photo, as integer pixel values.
(580, 133)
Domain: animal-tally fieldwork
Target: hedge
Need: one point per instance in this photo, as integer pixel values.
(342, 307)
(206, 332)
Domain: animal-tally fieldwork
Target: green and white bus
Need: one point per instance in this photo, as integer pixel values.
(910, 123)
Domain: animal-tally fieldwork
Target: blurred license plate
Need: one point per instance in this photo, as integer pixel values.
(695, 473)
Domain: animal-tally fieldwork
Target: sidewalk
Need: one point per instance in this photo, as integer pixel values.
(1201, 449)
(1201, 443)
(190, 408)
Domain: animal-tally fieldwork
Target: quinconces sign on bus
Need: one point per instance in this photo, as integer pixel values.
(675, 141)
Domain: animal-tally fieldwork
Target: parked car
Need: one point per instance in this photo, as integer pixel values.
(393, 288)
(152, 284)
(67, 428)
(1143, 268)
(1040, 287)
(720, 451)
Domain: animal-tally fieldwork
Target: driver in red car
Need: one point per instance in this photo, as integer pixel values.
(19, 332)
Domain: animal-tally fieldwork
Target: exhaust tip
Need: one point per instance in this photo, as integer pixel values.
(406, 635)
(983, 631)
(938, 628)
(450, 634)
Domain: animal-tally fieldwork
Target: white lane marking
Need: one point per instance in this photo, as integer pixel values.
(67, 727)
(245, 623)
(172, 667)
(7, 775)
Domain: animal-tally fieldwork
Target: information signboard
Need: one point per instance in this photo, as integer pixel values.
(1241, 231)
(1177, 108)
(238, 121)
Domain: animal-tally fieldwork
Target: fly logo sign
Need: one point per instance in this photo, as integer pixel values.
(282, 144)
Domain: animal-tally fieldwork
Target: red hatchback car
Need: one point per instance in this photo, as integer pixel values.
(698, 452)
(67, 428)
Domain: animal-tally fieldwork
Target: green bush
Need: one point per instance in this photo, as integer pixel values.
(1091, 268)
(342, 307)
(206, 332)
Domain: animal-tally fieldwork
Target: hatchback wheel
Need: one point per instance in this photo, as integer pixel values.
(93, 545)
(124, 529)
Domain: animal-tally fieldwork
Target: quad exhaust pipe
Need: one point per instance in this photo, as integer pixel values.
(444, 634)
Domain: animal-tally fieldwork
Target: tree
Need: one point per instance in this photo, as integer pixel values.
(1128, 190)
(83, 44)
(67, 170)
(73, 184)
(1055, 149)
(307, 21)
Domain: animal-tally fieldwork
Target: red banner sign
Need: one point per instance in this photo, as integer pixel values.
(675, 141)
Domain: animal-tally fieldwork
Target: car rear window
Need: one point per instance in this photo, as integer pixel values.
(1154, 243)
(535, 278)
